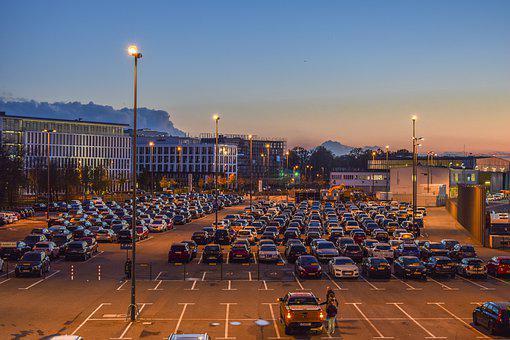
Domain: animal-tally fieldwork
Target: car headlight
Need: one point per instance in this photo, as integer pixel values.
(321, 315)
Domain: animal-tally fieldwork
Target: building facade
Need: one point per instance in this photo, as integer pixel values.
(177, 157)
(268, 154)
(74, 143)
(368, 181)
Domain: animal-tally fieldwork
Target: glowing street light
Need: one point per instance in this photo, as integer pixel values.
(216, 118)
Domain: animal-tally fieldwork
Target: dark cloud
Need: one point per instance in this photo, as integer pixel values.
(147, 118)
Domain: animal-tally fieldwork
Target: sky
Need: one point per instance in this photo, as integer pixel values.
(310, 71)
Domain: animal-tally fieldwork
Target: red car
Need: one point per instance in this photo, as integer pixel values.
(179, 252)
(142, 232)
(359, 236)
(239, 252)
(499, 266)
(307, 266)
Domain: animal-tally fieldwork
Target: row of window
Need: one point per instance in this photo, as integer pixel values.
(187, 168)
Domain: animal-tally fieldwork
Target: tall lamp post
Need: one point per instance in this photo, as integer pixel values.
(133, 51)
(268, 170)
(216, 118)
(415, 164)
(250, 138)
(48, 183)
(151, 145)
(373, 178)
(387, 172)
(179, 160)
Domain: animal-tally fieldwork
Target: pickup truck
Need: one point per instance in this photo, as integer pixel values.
(301, 311)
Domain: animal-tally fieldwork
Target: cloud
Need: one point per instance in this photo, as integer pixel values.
(147, 118)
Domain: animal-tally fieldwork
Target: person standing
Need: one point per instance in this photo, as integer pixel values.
(331, 312)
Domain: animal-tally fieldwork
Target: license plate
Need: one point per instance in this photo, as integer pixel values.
(239, 255)
(305, 324)
(446, 267)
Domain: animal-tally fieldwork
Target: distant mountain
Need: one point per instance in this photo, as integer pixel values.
(147, 118)
(339, 149)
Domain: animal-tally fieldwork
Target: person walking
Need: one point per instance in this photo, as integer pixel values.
(127, 268)
(331, 312)
(330, 296)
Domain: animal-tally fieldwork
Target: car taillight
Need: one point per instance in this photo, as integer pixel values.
(289, 315)
(500, 316)
(372, 268)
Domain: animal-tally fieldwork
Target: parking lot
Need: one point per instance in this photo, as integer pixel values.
(225, 300)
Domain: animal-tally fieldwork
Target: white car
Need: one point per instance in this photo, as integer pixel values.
(158, 225)
(246, 234)
(268, 253)
(382, 250)
(343, 267)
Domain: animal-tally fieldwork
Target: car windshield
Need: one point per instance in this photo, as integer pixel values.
(299, 248)
(343, 261)
(352, 247)
(468, 248)
(31, 257)
(211, 248)
(325, 245)
(178, 247)
(59, 239)
(474, 262)
(504, 261)
(309, 261)
(268, 248)
(437, 246)
(383, 247)
(378, 262)
(76, 245)
(413, 262)
(410, 247)
(302, 300)
(32, 238)
(42, 245)
(443, 261)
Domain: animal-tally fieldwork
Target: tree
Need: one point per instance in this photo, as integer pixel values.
(322, 160)
(201, 184)
(166, 183)
(100, 180)
(12, 177)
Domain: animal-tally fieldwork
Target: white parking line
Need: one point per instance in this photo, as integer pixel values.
(409, 287)
(193, 285)
(88, 317)
(145, 240)
(41, 280)
(482, 287)
(249, 276)
(203, 276)
(255, 259)
(334, 282)
(275, 325)
(6, 274)
(122, 285)
(445, 287)
(227, 312)
(298, 282)
(159, 274)
(370, 283)
(229, 286)
(265, 286)
(182, 314)
(430, 335)
(201, 257)
(440, 305)
(379, 334)
(500, 280)
(157, 286)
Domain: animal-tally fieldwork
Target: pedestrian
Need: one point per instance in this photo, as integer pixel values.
(331, 312)
(330, 296)
(127, 268)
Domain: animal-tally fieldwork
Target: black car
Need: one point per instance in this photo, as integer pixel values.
(32, 263)
(376, 267)
(193, 248)
(212, 253)
(441, 265)
(222, 236)
(293, 251)
(409, 266)
(62, 240)
(77, 250)
(180, 219)
(353, 251)
(493, 316)
(200, 237)
(462, 251)
(12, 251)
(32, 239)
(433, 249)
(124, 236)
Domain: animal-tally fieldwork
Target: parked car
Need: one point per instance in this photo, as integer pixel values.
(77, 250)
(32, 263)
(12, 251)
(268, 253)
(441, 265)
(50, 248)
(499, 266)
(343, 267)
(472, 267)
(212, 253)
(239, 252)
(295, 250)
(461, 251)
(301, 311)
(493, 316)
(307, 266)
(106, 235)
(376, 267)
(409, 266)
(179, 253)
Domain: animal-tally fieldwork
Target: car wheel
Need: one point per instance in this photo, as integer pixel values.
(491, 328)
(288, 330)
(475, 319)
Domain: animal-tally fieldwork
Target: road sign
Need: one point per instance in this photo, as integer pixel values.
(126, 246)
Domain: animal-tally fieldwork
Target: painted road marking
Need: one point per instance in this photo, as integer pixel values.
(275, 325)
(184, 306)
(93, 257)
(157, 286)
(7, 274)
(409, 287)
(336, 284)
(229, 286)
(122, 285)
(500, 280)
(193, 285)
(249, 276)
(371, 285)
(430, 335)
(227, 312)
(4, 281)
(298, 282)
(41, 280)
(440, 305)
(482, 287)
(445, 287)
(367, 320)
(88, 317)
(265, 286)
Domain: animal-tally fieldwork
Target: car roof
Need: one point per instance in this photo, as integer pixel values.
(293, 294)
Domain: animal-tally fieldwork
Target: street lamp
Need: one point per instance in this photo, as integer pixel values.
(373, 178)
(151, 145)
(133, 51)
(216, 118)
(48, 156)
(387, 172)
(415, 161)
(179, 158)
(250, 138)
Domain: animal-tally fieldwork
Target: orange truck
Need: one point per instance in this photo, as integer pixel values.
(300, 311)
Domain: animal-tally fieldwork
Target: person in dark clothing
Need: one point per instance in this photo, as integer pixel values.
(330, 296)
(331, 312)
